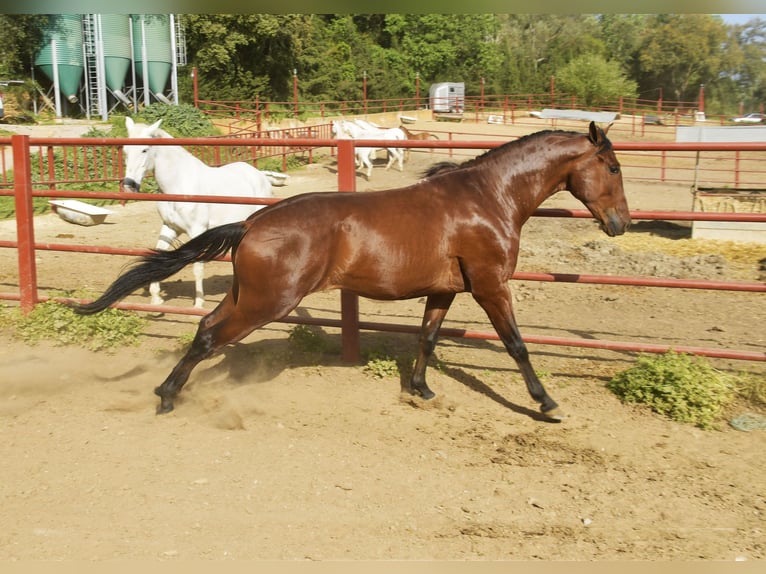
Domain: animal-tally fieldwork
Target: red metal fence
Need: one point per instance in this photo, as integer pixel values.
(350, 323)
(86, 160)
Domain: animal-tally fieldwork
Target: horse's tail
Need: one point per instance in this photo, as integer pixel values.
(159, 265)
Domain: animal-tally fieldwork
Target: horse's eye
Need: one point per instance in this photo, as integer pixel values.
(614, 169)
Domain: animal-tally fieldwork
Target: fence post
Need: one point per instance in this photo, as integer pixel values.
(349, 303)
(25, 228)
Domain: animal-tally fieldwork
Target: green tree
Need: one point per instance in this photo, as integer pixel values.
(680, 52)
(750, 76)
(447, 47)
(536, 46)
(20, 39)
(594, 80)
(241, 56)
(622, 35)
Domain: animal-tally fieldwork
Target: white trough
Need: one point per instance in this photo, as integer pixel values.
(276, 178)
(79, 212)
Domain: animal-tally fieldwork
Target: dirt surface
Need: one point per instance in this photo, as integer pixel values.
(277, 452)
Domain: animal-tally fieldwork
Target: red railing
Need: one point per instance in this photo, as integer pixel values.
(350, 323)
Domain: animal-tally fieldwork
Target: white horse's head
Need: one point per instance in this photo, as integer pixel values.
(139, 159)
(340, 129)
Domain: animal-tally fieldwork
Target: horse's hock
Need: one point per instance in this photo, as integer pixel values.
(716, 200)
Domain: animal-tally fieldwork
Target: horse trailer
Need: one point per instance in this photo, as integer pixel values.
(447, 97)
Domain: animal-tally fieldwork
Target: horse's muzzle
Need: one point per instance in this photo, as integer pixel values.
(130, 185)
(614, 224)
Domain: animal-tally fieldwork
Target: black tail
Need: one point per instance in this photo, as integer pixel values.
(160, 265)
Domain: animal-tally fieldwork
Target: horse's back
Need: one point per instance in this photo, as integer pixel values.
(238, 180)
(243, 180)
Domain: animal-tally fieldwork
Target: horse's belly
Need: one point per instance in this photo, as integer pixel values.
(390, 282)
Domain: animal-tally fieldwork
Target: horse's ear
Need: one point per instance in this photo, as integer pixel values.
(129, 123)
(155, 126)
(595, 134)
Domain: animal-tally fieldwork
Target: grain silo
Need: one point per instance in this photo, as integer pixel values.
(61, 56)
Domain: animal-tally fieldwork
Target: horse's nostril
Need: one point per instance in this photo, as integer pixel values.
(131, 184)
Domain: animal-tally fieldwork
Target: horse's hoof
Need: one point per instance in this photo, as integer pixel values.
(425, 394)
(555, 414)
(166, 403)
(164, 407)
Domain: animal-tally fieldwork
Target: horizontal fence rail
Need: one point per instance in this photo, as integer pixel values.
(350, 324)
(87, 160)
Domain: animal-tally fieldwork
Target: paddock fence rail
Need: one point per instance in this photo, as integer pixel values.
(350, 324)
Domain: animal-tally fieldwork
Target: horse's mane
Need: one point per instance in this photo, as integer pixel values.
(508, 146)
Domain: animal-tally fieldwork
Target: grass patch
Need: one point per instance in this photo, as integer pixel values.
(305, 339)
(59, 324)
(682, 387)
(381, 366)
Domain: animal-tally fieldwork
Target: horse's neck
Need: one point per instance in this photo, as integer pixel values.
(170, 161)
(535, 179)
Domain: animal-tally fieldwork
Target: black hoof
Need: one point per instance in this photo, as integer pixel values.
(166, 403)
(164, 407)
(422, 392)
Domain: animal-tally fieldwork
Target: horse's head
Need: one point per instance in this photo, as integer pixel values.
(139, 159)
(340, 129)
(596, 180)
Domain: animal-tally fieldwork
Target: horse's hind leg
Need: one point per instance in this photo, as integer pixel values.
(199, 274)
(436, 309)
(229, 322)
(496, 302)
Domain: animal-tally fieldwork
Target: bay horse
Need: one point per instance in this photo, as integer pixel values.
(177, 171)
(455, 231)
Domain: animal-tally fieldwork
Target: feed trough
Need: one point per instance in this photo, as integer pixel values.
(717, 200)
(276, 178)
(78, 212)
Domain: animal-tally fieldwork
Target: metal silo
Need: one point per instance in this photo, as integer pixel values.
(152, 51)
(61, 55)
(115, 29)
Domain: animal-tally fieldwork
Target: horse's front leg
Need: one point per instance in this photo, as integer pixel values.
(436, 309)
(165, 241)
(496, 302)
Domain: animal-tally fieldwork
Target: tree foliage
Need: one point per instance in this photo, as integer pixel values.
(337, 56)
(595, 80)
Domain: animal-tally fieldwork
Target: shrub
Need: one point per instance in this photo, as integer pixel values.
(681, 387)
(381, 366)
(307, 340)
(58, 323)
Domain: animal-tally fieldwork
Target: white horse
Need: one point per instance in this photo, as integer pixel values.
(364, 155)
(177, 171)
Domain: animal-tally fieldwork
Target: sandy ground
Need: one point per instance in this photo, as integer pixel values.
(274, 452)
